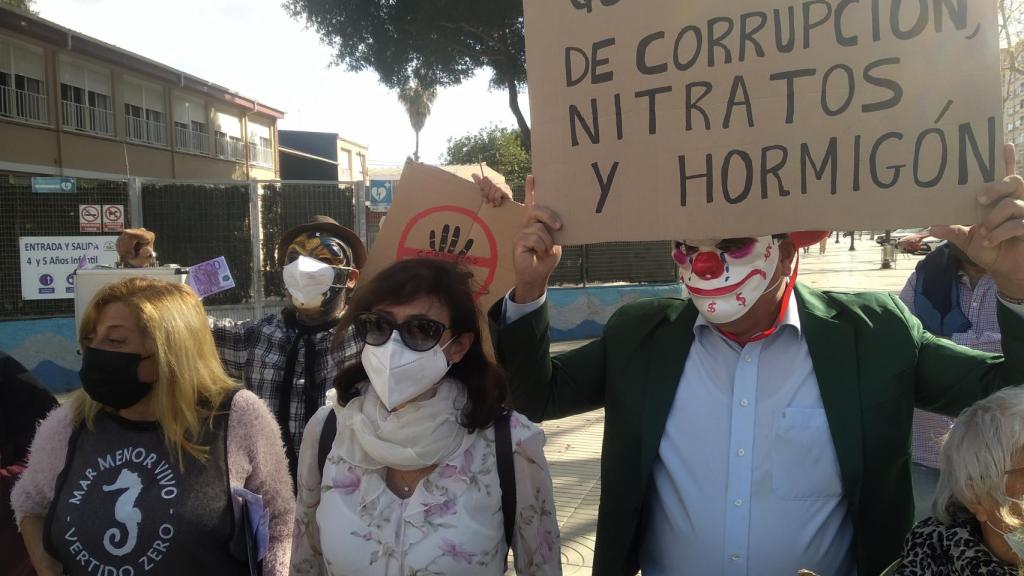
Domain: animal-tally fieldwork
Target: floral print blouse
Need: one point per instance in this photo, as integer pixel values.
(348, 522)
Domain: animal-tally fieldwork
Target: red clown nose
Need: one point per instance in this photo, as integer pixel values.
(708, 266)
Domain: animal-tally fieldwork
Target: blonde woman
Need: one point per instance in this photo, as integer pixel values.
(136, 473)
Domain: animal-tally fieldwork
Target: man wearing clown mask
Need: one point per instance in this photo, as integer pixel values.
(286, 358)
(758, 426)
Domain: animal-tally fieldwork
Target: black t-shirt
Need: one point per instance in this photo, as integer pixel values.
(124, 507)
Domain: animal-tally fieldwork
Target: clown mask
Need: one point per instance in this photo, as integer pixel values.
(726, 278)
(316, 274)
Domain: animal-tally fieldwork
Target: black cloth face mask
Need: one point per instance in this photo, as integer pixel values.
(112, 378)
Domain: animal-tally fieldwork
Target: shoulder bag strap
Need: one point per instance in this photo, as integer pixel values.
(327, 433)
(506, 472)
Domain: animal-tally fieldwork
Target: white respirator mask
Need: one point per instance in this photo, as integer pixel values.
(399, 374)
(309, 282)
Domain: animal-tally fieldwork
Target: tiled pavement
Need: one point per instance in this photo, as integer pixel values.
(574, 454)
(574, 444)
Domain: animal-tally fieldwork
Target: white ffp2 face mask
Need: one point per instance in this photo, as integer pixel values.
(399, 374)
(1015, 538)
(308, 282)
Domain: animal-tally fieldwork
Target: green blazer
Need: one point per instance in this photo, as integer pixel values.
(873, 361)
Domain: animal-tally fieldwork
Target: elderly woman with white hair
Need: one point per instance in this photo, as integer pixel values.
(978, 523)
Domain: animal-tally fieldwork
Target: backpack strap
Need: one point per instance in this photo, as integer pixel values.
(327, 434)
(506, 471)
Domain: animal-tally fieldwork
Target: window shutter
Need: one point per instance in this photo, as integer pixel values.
(28, 63)
(154, 98)
(5, 56)
(229, 125)
(133, 94)
(73, 74)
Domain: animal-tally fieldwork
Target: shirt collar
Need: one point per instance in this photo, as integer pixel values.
(790, 318)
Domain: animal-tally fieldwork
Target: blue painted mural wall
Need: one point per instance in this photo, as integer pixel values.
(47, 347)
(581, 313)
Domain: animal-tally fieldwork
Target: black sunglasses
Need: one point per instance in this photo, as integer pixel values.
(419, 334)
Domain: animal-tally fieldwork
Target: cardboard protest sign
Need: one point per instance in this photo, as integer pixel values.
(441, 215)
(661, 119)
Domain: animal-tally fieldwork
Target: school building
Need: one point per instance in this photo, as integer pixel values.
(72, 105)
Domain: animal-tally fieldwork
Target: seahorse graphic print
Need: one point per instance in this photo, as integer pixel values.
(126, 513)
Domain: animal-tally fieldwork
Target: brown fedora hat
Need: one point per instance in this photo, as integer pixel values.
(327, 225)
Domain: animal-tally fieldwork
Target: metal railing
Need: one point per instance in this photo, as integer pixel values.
(146, 131)
(22, 105)
(191, 141)
(230, 149)
(261, 155)
(88, 118)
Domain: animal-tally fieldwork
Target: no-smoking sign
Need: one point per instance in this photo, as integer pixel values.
(113, 217)
(454, 234)
(89, 217)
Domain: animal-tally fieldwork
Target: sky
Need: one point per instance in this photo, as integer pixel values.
(254, 48)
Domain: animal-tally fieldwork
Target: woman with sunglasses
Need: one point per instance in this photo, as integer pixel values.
(411, 483)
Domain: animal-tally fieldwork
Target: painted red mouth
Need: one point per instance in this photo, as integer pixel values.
(725, 289)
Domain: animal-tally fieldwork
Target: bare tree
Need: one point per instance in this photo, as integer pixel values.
(1011, 33)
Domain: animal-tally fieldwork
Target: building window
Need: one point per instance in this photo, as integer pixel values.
(144, 116)
(191, 127)
(22, 88)
(85, 99)
(228, 137)
(261, 147)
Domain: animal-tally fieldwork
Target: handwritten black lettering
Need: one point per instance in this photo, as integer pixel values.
(604, 183)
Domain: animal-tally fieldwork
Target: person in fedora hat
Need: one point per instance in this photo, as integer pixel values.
(286, 358)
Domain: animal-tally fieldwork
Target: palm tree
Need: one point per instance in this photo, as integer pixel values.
(417, 100)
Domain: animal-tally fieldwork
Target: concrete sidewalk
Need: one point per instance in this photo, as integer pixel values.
(574, 444)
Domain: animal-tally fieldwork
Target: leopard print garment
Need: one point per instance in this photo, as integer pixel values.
(934, 549)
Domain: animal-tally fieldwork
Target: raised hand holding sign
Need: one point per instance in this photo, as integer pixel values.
(997, 243)
(460, 217)
(536, 254)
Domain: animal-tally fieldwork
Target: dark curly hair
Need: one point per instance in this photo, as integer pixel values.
(404, 281)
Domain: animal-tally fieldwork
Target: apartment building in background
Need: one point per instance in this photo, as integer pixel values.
(71, 105)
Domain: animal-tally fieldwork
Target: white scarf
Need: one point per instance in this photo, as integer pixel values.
(421, 434)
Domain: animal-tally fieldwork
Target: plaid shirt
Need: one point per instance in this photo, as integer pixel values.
(256, 351)
(979, 305)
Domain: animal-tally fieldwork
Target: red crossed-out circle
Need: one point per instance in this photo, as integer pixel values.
(112, 213)
(487, 263)
(90, 214)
